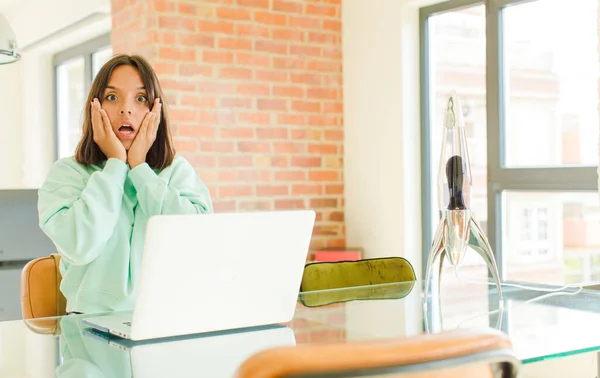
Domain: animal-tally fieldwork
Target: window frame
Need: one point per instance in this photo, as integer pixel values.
(499, 177)
(86, 50)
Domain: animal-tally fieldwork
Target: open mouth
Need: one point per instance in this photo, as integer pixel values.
(126, 131)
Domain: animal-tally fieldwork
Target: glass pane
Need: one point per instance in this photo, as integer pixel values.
(457, 62)
(99, 58)
(551, 79)
(551, 237)
(70, 100)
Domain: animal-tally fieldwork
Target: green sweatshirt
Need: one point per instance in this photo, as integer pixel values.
(97, 215)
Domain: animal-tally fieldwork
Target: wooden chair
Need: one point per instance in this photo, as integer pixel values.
(40, 288)
(460, 353)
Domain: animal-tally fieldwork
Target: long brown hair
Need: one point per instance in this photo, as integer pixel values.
(162, 152)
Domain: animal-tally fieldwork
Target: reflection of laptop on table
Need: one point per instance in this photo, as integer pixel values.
(214, 272)
(213, 355)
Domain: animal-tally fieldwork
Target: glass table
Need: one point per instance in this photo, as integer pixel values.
(543, 322)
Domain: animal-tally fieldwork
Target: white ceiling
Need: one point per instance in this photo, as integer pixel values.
(6, 5)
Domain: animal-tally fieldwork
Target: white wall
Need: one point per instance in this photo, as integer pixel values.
(381, 127)
(42, 28)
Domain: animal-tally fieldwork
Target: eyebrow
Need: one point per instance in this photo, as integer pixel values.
(113, 87)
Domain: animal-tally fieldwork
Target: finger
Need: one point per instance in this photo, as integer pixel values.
(96, 118)
(106, 121)
(156, 106)
(154, 125)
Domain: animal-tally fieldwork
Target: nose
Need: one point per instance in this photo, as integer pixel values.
(125, 109)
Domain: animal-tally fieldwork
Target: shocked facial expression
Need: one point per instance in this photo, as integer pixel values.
(126, 103)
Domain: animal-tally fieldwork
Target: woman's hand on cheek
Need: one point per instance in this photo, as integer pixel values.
(104, 135)
(145, 137)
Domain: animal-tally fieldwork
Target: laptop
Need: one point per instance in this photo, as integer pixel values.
(215, 355)
(213, 272)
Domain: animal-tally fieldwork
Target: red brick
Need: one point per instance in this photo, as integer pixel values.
(305, 106)
(322, 149)
(272, 190)
(336, 216)
(322, 93)
(255, 205)
(332, 25)
(221, 147)
(271, 47)
(267, 104)
(190, 145)
(334, 134)
(270, 18)
(288, 35)
(304, 50)
(288, 91)
(323, 38)
(257, 60)
(289, 204)
(334, 189)
(324, 66)
(197, 131)
(235, 191)
(334, 107)
(219, 27)
(180, 115)
(180, 54)
(235, 102)
(220, 87)
(272, 133)
(321, 10)
(289, 147)
(235, 161)
(192, 69)
(291, 119)
(323, 203)
(288, 63)
(324, 176)
(253, 89)
(219, 57)
(253, 3)
(163, 6)
(301, 189)
(311, 79)
(301, 22)
(273, 76)
(235, 73)
(324, 120)
(290, 176)
(288, 6)
(233, 14)
(308, 134)
(236, 133)
(252, 30)
(255, 147)
(300, 161)
(235, 43)
(253, 175)
(254, 118)
(224, 206)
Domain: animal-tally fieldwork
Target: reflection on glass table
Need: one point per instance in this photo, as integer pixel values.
(543, 322)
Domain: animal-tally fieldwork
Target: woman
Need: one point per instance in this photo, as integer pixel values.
(95, 205)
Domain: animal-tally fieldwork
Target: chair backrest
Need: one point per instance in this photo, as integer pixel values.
(40, 288)
(460, 353)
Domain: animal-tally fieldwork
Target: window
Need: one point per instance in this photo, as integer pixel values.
(529, 97)
(74, 70)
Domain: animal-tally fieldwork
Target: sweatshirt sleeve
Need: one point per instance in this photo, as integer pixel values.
(79, 216)
(183, 193)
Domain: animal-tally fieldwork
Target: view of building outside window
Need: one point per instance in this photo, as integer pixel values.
(551, 119)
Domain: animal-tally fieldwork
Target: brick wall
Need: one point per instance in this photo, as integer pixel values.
(255, 93)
